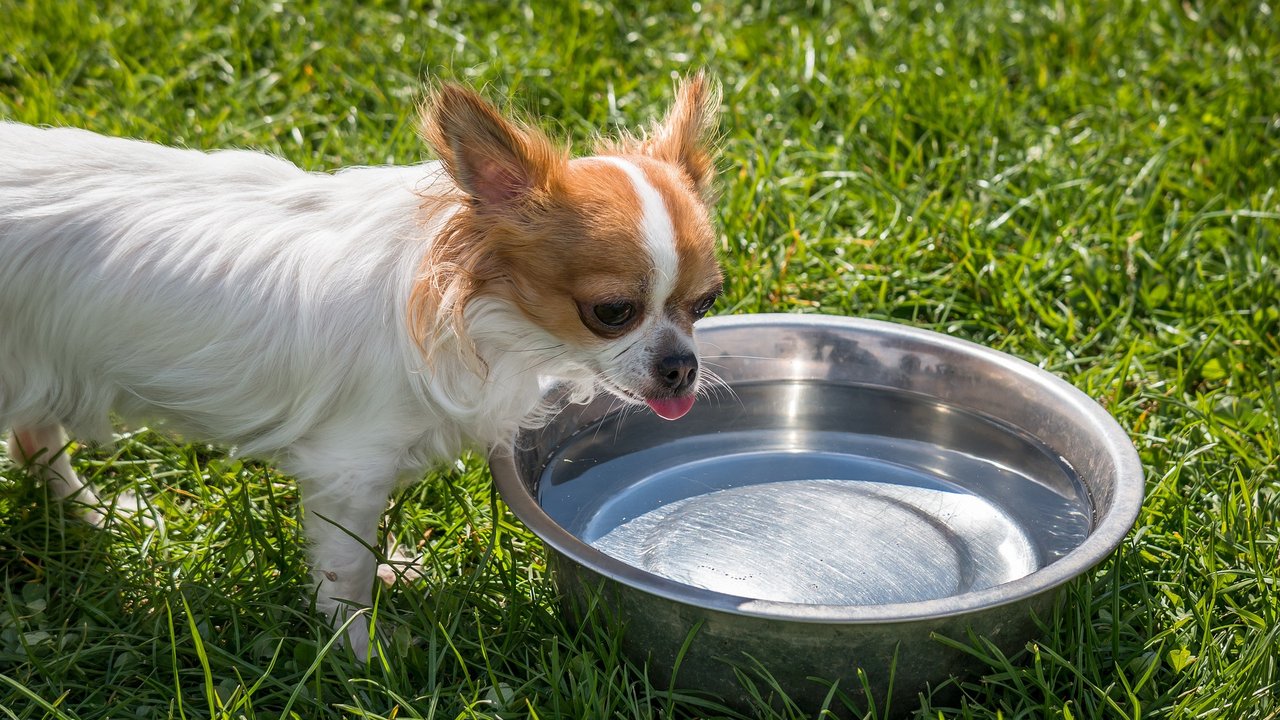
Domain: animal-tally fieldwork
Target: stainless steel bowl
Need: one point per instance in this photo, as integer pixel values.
(856, 489)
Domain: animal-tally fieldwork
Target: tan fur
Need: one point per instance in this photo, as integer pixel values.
(476, 144)
(695, 237)
(549, 233)
(683, 138)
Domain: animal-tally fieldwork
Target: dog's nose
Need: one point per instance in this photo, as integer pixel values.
(677, 372)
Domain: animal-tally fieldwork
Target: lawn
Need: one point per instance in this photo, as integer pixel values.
(1090, 186)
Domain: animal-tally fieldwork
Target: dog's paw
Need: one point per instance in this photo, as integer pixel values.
(351, 628)
(356, 638)
(123, 507)
(130, 505)
(93, 514)
(401, 567)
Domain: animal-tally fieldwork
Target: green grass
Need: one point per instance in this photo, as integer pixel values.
(1088, 186)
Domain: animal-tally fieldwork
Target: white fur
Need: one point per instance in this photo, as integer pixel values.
(656, 335)
(656, 227)
(245, 301)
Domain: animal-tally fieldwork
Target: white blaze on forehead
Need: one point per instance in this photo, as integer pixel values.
(656, 226)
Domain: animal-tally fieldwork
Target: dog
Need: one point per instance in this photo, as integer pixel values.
(353, 327)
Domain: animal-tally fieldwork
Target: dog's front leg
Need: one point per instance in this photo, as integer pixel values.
(44, 449)
(342, 513)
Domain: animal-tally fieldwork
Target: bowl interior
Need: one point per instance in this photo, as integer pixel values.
(852, 469)
(820, 493)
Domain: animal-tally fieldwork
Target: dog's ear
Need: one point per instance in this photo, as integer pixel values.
(684, 137)
(495, 161)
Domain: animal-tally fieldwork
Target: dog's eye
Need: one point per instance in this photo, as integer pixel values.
(614, 314)
(704, 306)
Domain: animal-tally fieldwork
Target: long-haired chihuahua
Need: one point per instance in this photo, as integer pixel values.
(353, 327)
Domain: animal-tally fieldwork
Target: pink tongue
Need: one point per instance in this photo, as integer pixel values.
(671, 408)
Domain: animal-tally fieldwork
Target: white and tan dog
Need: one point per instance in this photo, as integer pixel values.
(357, 326)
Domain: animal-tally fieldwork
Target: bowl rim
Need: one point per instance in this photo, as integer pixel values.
(1107, 534)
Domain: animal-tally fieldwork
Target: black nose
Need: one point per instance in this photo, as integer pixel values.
(677, 372)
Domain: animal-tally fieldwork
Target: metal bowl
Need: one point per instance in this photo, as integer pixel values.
(855, 490)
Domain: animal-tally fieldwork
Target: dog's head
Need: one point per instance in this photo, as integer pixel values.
(612, 255)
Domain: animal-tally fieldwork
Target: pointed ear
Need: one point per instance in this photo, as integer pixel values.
(684, 137)
(495, 161)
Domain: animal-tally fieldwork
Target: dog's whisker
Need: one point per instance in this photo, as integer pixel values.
(624, 350)
(532, 349)
(613, 408)
(716, 384)
(743, 357)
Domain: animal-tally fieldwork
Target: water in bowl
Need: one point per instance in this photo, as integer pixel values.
(819, 493)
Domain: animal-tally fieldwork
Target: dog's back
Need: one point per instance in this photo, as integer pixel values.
(229, 292)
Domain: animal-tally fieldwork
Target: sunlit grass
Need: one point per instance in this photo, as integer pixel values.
(1088, 186)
